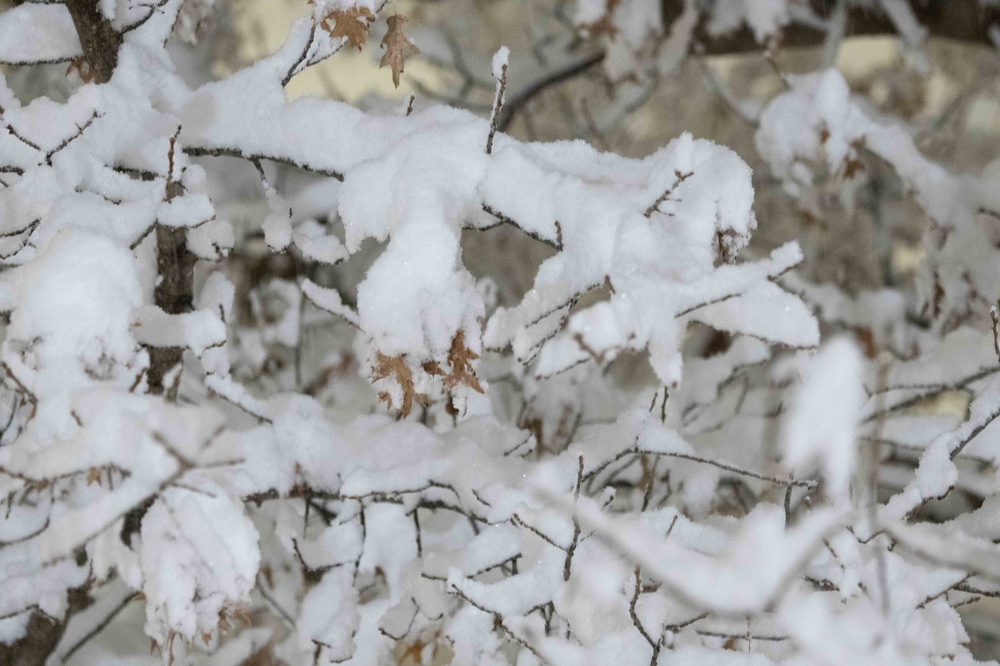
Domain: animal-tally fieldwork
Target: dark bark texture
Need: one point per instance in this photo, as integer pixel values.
(99, 39)
(174, 294)
(43, 634)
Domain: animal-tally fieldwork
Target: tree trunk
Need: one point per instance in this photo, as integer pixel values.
(174, 294)
(43, 634)
(99, 39)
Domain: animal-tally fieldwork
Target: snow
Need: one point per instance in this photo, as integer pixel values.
(766, 17)
(329, 617)
(197, 331)
(315, 243)
(696, 656)
(512, 525)
(500, 62)
(37, 33)
(825, 416)
(72, 316)
(199, 558)
(329, 300)
(416, 304)
(716, 584)
(906, 23)
(491, 548)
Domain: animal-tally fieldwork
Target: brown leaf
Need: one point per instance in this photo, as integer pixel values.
(94, 476)
(395, 366)
(351, 23)
(605, 25)
(414, 652)
(866, 340)
(268, 574)
(241, 614)
(398, 47)
(852, 163)
(851, 168)
(223, 623)
(82, 68)
(460, 359)
(432, 368)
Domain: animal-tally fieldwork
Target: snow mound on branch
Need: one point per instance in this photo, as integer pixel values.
(826, 414)
(199, 558)
(75, 300)
(652, 229)
(71, 321)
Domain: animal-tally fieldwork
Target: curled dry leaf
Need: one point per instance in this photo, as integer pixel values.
(395, 366)
(352, 24)
(94, 476)
(398, 47)
(605, 25)
(460, 372)
(82, 69)
(460, 359)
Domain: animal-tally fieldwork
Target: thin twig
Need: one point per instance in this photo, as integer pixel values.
(101, 626)
(497, 108)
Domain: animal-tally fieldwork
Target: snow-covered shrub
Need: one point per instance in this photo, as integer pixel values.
(328, 431)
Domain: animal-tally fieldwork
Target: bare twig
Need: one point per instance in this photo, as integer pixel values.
(497, 108)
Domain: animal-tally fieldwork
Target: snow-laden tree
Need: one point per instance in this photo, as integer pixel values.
(334, 430)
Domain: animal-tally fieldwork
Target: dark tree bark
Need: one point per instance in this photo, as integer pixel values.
(174, 293)
(43, 634)
(99, 39)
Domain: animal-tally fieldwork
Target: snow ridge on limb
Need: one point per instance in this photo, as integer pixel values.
(419, 180)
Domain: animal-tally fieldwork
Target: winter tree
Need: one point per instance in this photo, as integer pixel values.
(525, 366)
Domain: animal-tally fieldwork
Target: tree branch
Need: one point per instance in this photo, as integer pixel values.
(98, 37)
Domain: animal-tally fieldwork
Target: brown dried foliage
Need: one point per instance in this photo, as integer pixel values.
(352, 24)
(605, 25)
(460, 359)
(395, 366)
(460, 372)
(398, 47)
(82, 69)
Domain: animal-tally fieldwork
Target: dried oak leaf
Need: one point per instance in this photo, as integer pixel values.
(432, 368)
(395, 366)
(605, 25)
(94, 476)
(352, 23)
(398, 47)
(82, 69)
(852, 163)
(460, 359)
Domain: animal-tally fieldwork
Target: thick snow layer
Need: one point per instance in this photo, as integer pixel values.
(651, 227)
(41, 32)
(826, 413)
(199, 558)
(556, 517)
